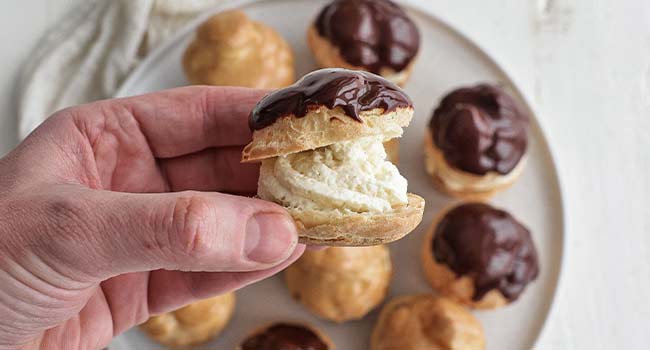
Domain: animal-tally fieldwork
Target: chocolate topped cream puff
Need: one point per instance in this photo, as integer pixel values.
(341, 283)
(287, 336)
(426, 322)
(233, 50)
(476, 142)
(320, 143)
(372, 35)
(193, 324)
(480, 256)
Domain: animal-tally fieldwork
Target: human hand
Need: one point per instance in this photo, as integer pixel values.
(98, 226)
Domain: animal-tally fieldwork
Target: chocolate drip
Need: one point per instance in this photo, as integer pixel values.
(285, 337)
(480, 129)
(488, 245)
(370, 33)
(352, 91)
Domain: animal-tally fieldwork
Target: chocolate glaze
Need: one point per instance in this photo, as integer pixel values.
(370, 33)
(480, 129)
(353, 91)
(285, 337)
(488, 245)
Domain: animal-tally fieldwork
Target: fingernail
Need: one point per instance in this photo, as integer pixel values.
(269, 238)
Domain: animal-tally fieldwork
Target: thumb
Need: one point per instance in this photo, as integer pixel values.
(111, 233)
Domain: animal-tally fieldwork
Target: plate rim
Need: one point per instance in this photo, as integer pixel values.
(425, 9)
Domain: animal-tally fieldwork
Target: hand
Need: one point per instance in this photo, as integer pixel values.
(101, 224)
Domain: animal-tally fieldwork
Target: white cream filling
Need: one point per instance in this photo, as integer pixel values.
(351, 176)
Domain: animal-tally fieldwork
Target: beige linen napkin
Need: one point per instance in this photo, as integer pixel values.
(92, 50)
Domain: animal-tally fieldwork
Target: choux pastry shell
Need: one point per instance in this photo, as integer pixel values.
(333, 122)
(193, 324)
(476, 142)
(341, 283)
(230, 49)
(426, 322)
(492, 256)
(285, 336)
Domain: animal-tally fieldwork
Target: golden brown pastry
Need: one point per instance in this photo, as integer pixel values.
(372, 35)
(341, 283)
(287, 336)
(392, 150)
(426, 322)
(193, 324)
(479, 256)
(233, 50)
(476, 142)
(320, 143)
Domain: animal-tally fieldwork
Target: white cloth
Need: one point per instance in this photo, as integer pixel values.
(90, 52)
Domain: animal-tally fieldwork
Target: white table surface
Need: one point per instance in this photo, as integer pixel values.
(585, 65)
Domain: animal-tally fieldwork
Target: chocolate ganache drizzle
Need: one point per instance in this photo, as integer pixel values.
(352, 91)
(488, 245)
(370, 33)
(480, 129)
(285, 337)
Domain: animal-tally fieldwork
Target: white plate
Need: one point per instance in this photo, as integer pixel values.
(447, 60)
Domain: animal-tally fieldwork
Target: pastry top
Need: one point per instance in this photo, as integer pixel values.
(429, 322)
(480, 129)
(284, 336)
(352, 91)
(233, 50)
(372, 34)
(490, 246)
(327, 106)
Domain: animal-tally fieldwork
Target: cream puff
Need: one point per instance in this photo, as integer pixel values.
(287, 336)
(479, 256)
(428, 322)
(193, 324)
(320, 144)
(341, 283)
(372, 35)
(231, 49)
(476, 142)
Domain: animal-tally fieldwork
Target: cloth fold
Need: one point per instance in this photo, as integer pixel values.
(88, 55)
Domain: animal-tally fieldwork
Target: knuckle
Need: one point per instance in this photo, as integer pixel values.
(191, 225)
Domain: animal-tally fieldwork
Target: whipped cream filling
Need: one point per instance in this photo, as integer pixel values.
(352, 176)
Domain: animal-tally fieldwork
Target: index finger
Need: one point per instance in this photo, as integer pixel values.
(190, 119)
